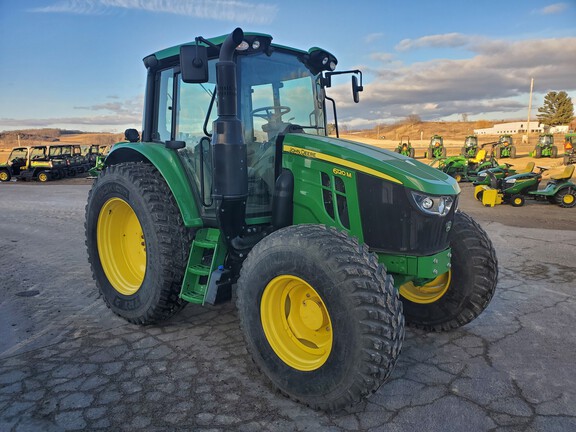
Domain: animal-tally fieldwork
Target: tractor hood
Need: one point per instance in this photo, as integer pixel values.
(375, 161)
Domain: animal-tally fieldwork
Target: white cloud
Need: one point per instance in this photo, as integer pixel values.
(449, 40)
(373, 37)
(116, 116)
(496, 79)
(381, 56)
(554, 8)
(222, 10)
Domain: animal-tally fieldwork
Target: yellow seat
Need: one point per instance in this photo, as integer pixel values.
(527, 169)
(564, 175)
(480, 156)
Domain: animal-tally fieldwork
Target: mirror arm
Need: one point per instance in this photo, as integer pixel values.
(335, 116)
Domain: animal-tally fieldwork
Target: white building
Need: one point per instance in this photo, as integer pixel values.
(510, 128)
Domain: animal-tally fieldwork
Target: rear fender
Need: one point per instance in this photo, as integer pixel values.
(170, 167)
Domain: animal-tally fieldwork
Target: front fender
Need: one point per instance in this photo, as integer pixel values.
(170, 167)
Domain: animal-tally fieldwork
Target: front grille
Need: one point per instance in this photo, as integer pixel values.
(392, 223)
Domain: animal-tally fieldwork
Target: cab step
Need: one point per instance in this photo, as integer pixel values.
(204, 263)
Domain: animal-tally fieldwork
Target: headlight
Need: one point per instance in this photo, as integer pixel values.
(482, 175)
(436, 205)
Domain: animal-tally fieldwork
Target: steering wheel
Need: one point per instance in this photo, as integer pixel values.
(270, 111)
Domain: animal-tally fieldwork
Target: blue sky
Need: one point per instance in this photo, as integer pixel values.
(77, 64)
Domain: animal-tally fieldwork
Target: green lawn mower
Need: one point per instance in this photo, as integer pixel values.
(504, 148)
(470, 148)
(515, 189)
(436, 149)
(545, 147)
(501, 171)
(466, 169)
(404, 147)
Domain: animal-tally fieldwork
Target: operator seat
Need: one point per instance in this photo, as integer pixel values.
(480, 156)
(527, 169)
(564, 175)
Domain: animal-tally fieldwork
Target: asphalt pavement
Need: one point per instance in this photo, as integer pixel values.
(68, 363)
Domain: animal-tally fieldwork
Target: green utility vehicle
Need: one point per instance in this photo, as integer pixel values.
(470, 146)
(505, 147)
(31, 163)
(545, 147)
(404, 147)
(436, 148)
(330, 245)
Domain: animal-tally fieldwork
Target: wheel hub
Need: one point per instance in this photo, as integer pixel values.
(121, 246)
(296, 322)
(429, 292)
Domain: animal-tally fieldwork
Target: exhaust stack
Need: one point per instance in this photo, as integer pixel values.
(229, 157)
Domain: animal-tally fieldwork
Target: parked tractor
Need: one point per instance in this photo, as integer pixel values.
(404, 147)
(570, 148)
(545, 147)
(436, 148)
(330, 245)
(470, 148)
(505, 148)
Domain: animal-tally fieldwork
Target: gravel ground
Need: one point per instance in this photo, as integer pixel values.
(67, 363)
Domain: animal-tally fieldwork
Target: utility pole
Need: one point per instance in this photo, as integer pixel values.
(529, 109)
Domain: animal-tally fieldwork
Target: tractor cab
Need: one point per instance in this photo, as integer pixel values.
(436, 148)
(470, 146)
(505, 147)
(545, 146)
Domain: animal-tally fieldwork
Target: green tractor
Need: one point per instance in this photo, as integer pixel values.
(505, 147)
(330, 245)
(570, 148)
(470, 148)
(436, 149)
(545, 147)
(404, 147)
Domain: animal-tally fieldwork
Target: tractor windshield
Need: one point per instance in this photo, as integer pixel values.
(18, 153)
(471, 141)
(546, 140)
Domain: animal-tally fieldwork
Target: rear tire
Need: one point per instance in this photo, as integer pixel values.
(43, 177)
(512, 152)
(139, 262)
(554, 152)
(471, 286)
(538, 152)
(497, 152)
(566, 198)
(339, 355)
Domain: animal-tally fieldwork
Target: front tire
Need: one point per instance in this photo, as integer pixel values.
(320, 316)
(453, 300)
(5, 175)
(137, 243)
(517, 200)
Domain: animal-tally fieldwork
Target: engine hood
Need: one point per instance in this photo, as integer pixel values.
(386, 164)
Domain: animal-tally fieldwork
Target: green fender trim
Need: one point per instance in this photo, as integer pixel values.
(170, 166)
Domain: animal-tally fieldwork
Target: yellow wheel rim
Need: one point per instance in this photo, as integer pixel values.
(3, 175)
(42, 177)
(517, 201)
(121, 246)
(458, 178)
(296, 323)
(427, 293)
(568, 199)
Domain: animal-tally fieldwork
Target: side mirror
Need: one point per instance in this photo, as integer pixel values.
(356, 89)
(194, 63)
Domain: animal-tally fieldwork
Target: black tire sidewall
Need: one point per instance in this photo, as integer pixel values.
(327, 386)
(454, 308)
(132, 307)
